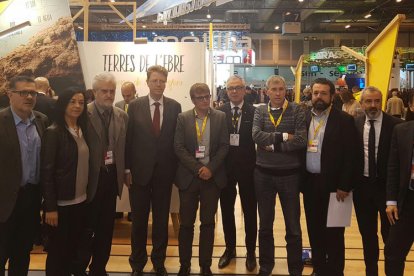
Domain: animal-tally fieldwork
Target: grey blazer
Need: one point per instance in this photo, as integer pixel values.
(10, 160)
(96, 147)
(185, 143)
(120, 104)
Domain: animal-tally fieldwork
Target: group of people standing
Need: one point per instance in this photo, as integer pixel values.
(81, 162)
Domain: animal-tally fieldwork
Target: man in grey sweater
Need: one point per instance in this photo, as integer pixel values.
(279, 130)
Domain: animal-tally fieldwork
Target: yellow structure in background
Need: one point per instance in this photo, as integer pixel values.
(3, 5)
(379, 57)
(210, 33)
(297, 72)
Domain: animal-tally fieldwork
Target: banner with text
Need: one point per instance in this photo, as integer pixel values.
(185, 63)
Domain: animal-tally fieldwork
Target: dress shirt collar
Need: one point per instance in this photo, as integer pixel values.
(323, 113)
(17, 119)
(152, 101)
(377, 120)
(276, 108)
(240, 106)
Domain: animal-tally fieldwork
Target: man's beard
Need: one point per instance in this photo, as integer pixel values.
(320, 105)
(372, 113)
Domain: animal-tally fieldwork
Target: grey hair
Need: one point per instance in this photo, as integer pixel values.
(369, 89)
(103, 77)
(275, 79)
(237, 77)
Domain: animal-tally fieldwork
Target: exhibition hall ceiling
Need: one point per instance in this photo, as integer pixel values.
(267, 16)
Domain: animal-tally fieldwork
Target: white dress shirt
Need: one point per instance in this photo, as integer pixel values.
(240, 106)
(367, 127)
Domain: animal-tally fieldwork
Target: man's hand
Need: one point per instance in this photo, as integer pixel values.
(392, 213)
(128, 179)
(341, 195)
(51, 218)
(204, 173)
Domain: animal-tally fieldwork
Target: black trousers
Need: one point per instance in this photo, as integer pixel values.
(205, 193)
(328, 243)
(400, 239)
(101, 220)
(156, 196)
(245, 180)
(63, 257)
(369, 200)
(18, 232)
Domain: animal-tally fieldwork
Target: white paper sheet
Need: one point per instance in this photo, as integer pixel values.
(339, 213)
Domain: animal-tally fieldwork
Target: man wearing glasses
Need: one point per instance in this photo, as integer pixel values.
(240, 163)
(151, 166)
(201, 143)
(21, 130)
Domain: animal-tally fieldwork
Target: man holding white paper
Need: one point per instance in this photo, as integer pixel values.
(330, 169)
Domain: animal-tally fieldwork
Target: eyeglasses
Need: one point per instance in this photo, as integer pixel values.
(235, 88)
(157, 81)
(25, 93)
(203, 98)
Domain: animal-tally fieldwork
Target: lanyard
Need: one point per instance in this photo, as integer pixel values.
(203, 127)
(277, 123)
(321, 123)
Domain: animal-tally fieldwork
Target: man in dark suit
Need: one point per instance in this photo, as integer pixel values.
(21, 130)
(152, 163)
(106, 134)
(201, 143)
(129, 93)
(374, 139)
(400, 199)
(330, 169)
(44, 103)
(240, 163)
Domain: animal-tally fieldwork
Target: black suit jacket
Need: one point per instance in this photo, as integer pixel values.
(46, 105)
(242, 157)
(399, 164)
(388, 123)
(10, 160)
(143, 149)
(338, 151)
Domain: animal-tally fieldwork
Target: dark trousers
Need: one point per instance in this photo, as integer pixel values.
(267, 187)
(328, 245)
(155, 196)
(369, 200)
(207, 194)
(400, 239)
(249, 207)
(101, 219)
(18, 232)
(64, 241)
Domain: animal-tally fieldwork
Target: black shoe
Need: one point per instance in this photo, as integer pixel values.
(251, 261)
(160, 271)
(129, 217)
(184, 271)
(264, 273)
(136, 273)
(80, 273)
(206, 271)
(226, 257)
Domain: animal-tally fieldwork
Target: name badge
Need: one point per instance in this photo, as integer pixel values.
(200, 152)
(234, 139)
(313, 145)
(109, 157)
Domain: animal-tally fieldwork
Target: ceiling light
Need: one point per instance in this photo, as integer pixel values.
(277, 27)
(287, 13)
(347, 26)
(208, 16)
(80, 27)
(144, 26)
(368, 15)
(398, 1)
(301, 0)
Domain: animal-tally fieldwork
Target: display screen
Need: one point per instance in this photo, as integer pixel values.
(351, 67)
(314, 68)
(409, 67)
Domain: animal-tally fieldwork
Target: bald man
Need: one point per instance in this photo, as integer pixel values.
(44, 103)
(128, 93)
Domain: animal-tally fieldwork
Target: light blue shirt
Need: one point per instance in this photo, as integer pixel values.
(30, 143)
(313, 159)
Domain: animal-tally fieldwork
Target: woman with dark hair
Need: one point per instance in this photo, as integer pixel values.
(409, 115)
(64, 178)
(350, 105)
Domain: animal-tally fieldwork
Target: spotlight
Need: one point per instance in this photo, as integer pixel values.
(347, 26)
(208, 16)
(368, 15)
(277, 27)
